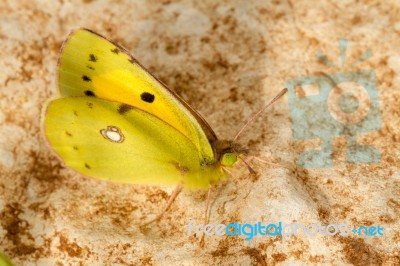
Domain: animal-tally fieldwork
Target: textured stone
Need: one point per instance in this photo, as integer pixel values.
(227, 59)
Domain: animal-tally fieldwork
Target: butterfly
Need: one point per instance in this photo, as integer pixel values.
(115, 121)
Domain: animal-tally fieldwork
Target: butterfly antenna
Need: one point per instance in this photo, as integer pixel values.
(280, 94)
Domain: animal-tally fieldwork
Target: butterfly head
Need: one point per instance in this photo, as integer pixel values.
(228, 152)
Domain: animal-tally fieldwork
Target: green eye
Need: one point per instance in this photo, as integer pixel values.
(228, 159)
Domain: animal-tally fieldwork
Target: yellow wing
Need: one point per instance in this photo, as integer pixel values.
(90, 65)
(120, 143)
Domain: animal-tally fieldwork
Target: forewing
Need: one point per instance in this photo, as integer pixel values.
(91, 65)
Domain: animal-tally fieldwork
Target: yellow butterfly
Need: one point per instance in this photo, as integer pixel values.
(115, 121)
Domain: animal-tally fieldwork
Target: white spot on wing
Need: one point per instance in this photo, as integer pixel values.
(113, 134)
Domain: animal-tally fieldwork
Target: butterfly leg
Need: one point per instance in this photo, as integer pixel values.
(207, 214)
(251, 170)
(171, 199)
(208, 204)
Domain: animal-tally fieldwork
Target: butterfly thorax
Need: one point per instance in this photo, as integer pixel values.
(227, 152)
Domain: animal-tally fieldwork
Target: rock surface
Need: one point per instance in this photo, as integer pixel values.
(227, 59)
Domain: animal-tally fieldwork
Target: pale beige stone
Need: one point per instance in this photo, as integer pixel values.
(234, 57)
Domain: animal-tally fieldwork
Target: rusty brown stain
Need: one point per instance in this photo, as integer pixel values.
(71, 248)
(17, 230)
(256, 256)
(357, 252)
(279, 257)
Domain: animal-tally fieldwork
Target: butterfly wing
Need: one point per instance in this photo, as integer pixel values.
(117, 142)
(93, 66)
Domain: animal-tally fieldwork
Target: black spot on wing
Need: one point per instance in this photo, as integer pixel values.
(86, 78)
(90, 67)
(123, 108)
(87, 166)
(92, 58)
(69, 134)
(90, 93)
(115, 50)
(147, 97)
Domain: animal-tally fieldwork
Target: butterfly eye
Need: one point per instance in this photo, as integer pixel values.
(113, 134)
(228, 159)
